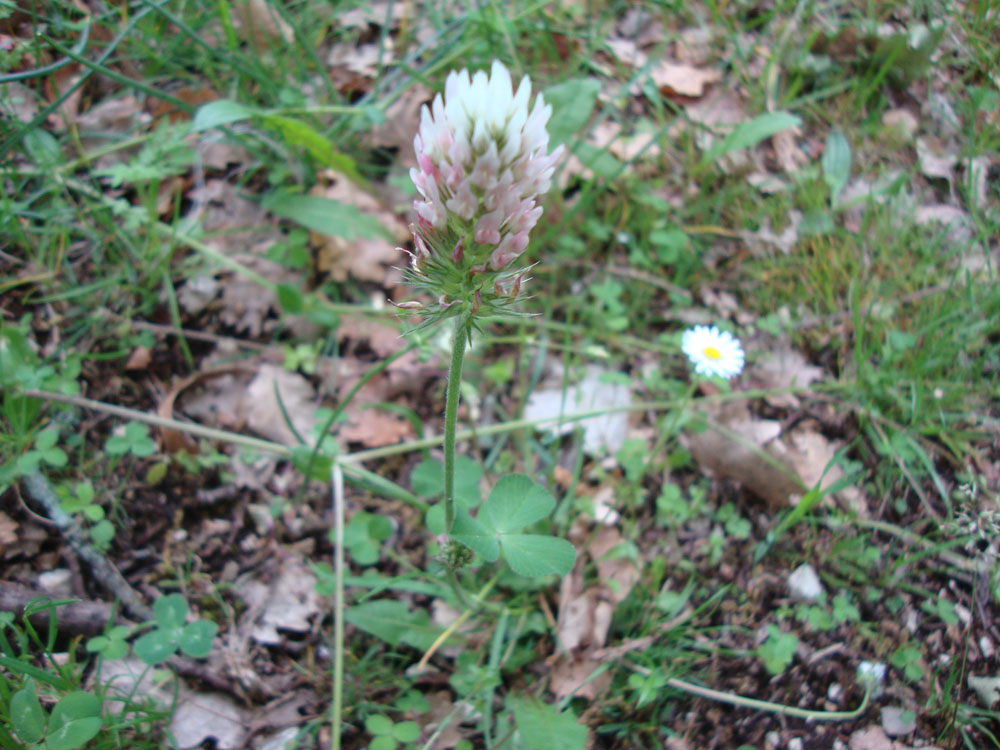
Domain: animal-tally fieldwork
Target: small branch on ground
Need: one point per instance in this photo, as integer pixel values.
(103, 570)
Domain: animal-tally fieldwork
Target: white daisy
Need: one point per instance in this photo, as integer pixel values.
(713, 352)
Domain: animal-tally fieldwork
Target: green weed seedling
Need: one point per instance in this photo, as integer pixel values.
(515, 503)
(908, 659)
(72, 723)
(133, 439)
(387, 734)
(79, 499)
(113, 644)
(364, 535)
(171, 632)
(777, 652)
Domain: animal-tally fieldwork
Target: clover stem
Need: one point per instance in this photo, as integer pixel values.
(451, 419)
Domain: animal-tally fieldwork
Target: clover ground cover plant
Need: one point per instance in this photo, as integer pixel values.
(705, 302)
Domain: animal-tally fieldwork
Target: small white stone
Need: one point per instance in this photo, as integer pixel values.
(963, 614)
(839, 745)
(897, 721)
(986, 646)
(281, 740)
(772, 740)
(912, 621)
(795, 744)
(56, 582)
(834, 692)
(804, 583)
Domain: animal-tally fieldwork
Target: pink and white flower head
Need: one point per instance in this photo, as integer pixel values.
(482, 162)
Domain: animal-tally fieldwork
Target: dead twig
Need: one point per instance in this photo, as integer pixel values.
(105, 573)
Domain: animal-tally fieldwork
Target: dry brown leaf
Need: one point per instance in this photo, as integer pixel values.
(682, 79)
(383, 338)
(139, 359)
(18, 100)
(441, 709)
(777, 467)
(626, 51)
(786, 151)
(694, 46)
(288, 602)
(262, 23)
(570, 677)
(375, 428)
(263, 412)
(8, 529)
(873, 738)
(364, 258)
(402, 119)
(781, 367)
(902, 120)
(620, 574)
(204, 716)
(362, 59)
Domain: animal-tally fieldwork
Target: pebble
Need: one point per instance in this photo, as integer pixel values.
(56, 582)
(772, 740)
(795, 744)
(986, 646)
(897, 721)
(834, 692)
(804, 583)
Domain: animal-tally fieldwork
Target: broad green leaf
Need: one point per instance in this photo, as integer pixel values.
(752, 132)
(434, 519)
(514, 503)
(427, 480)
(195, 639)
(599, 160)
(378, 724)
(221, 112)
(406, 731)
(74, 733)
(47, 439)
(382, 742)
(155, 647)
(393, 622)
(572, 104)
(543, 727)
(27, 715)
(836, 163)
(534, 555)
(298, 133)
(325, 215)
(170, 611)
(475, 536)
(75, 705)
(291, 298)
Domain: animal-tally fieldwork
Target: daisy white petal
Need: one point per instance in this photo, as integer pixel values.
(713, 352)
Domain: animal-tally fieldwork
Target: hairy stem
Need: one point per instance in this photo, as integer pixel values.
(451, 419)
(337, 486)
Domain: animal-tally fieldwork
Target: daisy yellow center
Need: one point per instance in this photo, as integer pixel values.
(712, 353)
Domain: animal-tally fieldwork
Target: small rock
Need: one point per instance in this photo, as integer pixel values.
(795, 744)
(986, 646)
(804, 584)
(834, 692)
(902, 120)
(897, 721)
(57, 583)
(281, 740)
(772, 740)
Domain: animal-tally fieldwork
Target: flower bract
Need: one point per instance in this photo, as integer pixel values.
(713, 352)
(482, 156)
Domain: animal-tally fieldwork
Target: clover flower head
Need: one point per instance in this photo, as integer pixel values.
(713, 352)
(482, 161)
